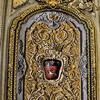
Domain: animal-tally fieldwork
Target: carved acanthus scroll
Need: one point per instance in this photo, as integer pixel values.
(43, 41)
(85, 5)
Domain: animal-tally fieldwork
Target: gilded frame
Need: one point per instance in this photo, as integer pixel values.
(13, 48)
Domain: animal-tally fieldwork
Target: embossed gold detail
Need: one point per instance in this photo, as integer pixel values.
(43, 42)
(32, 11)
(84, 5)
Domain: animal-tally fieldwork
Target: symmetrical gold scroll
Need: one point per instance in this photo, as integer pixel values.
(16, 24)
(62, 43)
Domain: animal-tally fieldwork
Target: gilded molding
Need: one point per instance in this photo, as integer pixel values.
(14, 39)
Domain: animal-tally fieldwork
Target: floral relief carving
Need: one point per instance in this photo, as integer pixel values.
(46, 42)
(51, 59)
(87, 5)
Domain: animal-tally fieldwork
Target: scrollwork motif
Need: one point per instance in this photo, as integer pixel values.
(33, 51)
(52, 43)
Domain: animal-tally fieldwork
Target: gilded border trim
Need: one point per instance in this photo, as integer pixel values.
(14, 34)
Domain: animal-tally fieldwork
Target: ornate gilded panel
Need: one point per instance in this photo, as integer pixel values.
(51, 53)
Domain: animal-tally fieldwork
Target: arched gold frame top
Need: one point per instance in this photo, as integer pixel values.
(13, 46)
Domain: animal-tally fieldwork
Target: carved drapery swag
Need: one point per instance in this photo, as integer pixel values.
(51, 54)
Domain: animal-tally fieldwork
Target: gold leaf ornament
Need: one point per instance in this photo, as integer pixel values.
(86, 6)
(53, 2)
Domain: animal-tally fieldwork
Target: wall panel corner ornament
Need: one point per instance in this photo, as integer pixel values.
(51, 54)
(83, 5)
(18, 3)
